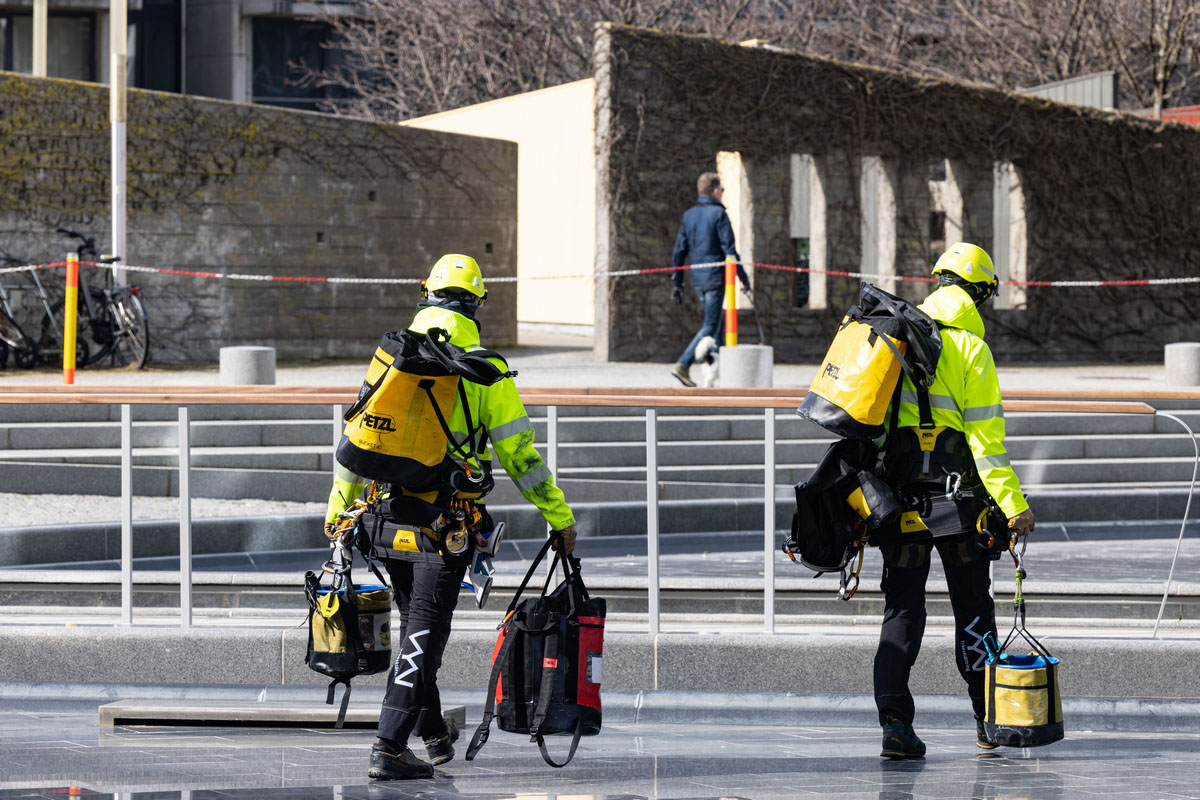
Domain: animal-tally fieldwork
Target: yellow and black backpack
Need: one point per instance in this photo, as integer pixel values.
(396, 432)
(878, 338)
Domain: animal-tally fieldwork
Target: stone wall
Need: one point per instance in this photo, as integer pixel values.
(1107, 196)
(230, 188)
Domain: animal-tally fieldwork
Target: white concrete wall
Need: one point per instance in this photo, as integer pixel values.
(556, 191)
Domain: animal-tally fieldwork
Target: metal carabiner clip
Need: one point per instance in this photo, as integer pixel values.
(953, 485)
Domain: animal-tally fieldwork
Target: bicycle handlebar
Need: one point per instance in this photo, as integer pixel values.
(88, 246)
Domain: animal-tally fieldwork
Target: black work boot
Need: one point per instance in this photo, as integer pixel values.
(981, 737)
(901, 741)
(440, 749)
(404, 765)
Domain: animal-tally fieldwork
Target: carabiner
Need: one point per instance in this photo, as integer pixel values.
(953, 484)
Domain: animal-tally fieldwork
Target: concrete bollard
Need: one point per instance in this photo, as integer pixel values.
(246, 366)
(1183, 364)
(747, 366)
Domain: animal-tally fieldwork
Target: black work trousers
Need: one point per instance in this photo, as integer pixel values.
(905, 570)
(426, 593)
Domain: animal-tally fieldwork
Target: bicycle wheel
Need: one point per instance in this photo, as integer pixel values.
(49, 343)
(130, 330)
(22, 348)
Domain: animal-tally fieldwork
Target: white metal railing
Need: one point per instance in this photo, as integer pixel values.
(550, 399)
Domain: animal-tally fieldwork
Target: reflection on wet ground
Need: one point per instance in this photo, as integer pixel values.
(58, 754)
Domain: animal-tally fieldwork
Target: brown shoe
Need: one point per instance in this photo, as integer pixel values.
(680, 372)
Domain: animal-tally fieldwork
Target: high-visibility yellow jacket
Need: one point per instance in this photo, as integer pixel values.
(965, 394)
(498, 408)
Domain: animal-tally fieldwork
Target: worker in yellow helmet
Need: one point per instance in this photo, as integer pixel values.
(964, 449)
(427, 584)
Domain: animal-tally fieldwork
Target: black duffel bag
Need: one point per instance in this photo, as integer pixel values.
(546, 666)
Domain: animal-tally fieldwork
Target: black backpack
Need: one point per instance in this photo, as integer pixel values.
(546, 667)
(349, 627)
(836, 507)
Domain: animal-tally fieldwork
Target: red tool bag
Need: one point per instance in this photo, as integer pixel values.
(546, 667)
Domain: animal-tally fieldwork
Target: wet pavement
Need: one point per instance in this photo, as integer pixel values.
(46, 751)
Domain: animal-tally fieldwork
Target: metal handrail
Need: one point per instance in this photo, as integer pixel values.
(767, 400)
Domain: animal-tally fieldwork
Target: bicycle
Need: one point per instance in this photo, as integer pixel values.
(113, 317)
(13, 339)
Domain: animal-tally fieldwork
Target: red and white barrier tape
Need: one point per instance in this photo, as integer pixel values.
(621, 273)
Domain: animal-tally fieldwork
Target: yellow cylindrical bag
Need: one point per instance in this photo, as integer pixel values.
(1023, 707)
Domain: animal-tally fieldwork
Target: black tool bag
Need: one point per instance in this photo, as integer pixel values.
(837, 506)
(546, 667)
(349, 627)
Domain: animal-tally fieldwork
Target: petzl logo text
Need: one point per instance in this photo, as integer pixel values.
(831, 371)
(379, 422)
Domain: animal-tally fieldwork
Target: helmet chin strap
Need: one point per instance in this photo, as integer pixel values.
(465, 307)
(980, 293)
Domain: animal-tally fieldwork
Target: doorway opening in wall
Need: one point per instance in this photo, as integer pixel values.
(800, 262)
(937, 235)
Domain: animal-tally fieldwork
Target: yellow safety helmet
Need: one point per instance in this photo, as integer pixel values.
(455, 271)
(970, 263)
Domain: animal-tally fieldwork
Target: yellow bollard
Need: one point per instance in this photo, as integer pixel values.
(730, 301)
(70, 318)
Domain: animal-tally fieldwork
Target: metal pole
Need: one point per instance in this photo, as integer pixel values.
(338, 426)
(126, 515)
(769, 521)
(39, 38)
(185, 519)
(552, 439)
(652, 518)
(118, 53)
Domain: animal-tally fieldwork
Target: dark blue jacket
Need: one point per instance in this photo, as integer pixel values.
(706, 235)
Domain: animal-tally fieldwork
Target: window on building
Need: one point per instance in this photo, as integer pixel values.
(156, 45)
(278, 44)
(70, 45)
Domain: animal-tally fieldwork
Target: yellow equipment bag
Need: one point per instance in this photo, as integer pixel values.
(878, 339)
(1021, 697)
(396, 432)
(349, 627)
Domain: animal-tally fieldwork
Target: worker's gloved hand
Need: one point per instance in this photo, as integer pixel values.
(1021, 524)
(564, 540)
(746, 293)
(677, 294)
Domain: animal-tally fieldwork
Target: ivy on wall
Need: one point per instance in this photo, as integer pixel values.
(1107, 196)
(227, 187)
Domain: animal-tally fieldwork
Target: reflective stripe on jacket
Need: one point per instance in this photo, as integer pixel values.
(499, 410)
(965, 394)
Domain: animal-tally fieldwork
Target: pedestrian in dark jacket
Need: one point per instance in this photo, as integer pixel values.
(705, 236)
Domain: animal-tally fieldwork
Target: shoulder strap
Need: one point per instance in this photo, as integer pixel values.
(472, 365)
(341, 717)
(365, 397)
(554, 647)
(577, 731)
(489, 709)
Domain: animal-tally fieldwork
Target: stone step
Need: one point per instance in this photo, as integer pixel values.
(804, 659)
(96, 426)
(203, 433)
